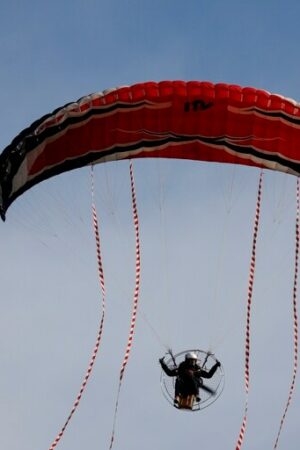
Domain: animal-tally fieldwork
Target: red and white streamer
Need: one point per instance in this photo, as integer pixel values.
(135, 296)
(249, 304)
(295, 306)
(100, 330)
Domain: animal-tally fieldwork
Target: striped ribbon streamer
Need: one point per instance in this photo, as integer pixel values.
(249, 304)
(135, 296)
(99, 335)
(295, 289)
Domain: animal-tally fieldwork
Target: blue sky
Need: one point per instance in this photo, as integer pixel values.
(196, 230)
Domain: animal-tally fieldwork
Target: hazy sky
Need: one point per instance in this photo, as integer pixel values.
(196, 225)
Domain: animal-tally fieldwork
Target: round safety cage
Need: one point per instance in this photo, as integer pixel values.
(211, 388)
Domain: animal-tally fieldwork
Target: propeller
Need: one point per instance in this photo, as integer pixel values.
(207, 389)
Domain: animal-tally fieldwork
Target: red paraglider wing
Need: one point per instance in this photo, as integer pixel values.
(171, 119)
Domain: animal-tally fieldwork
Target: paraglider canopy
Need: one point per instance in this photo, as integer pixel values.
(171, 119)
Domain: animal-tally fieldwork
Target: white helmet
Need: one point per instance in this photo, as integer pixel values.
(191, 355)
